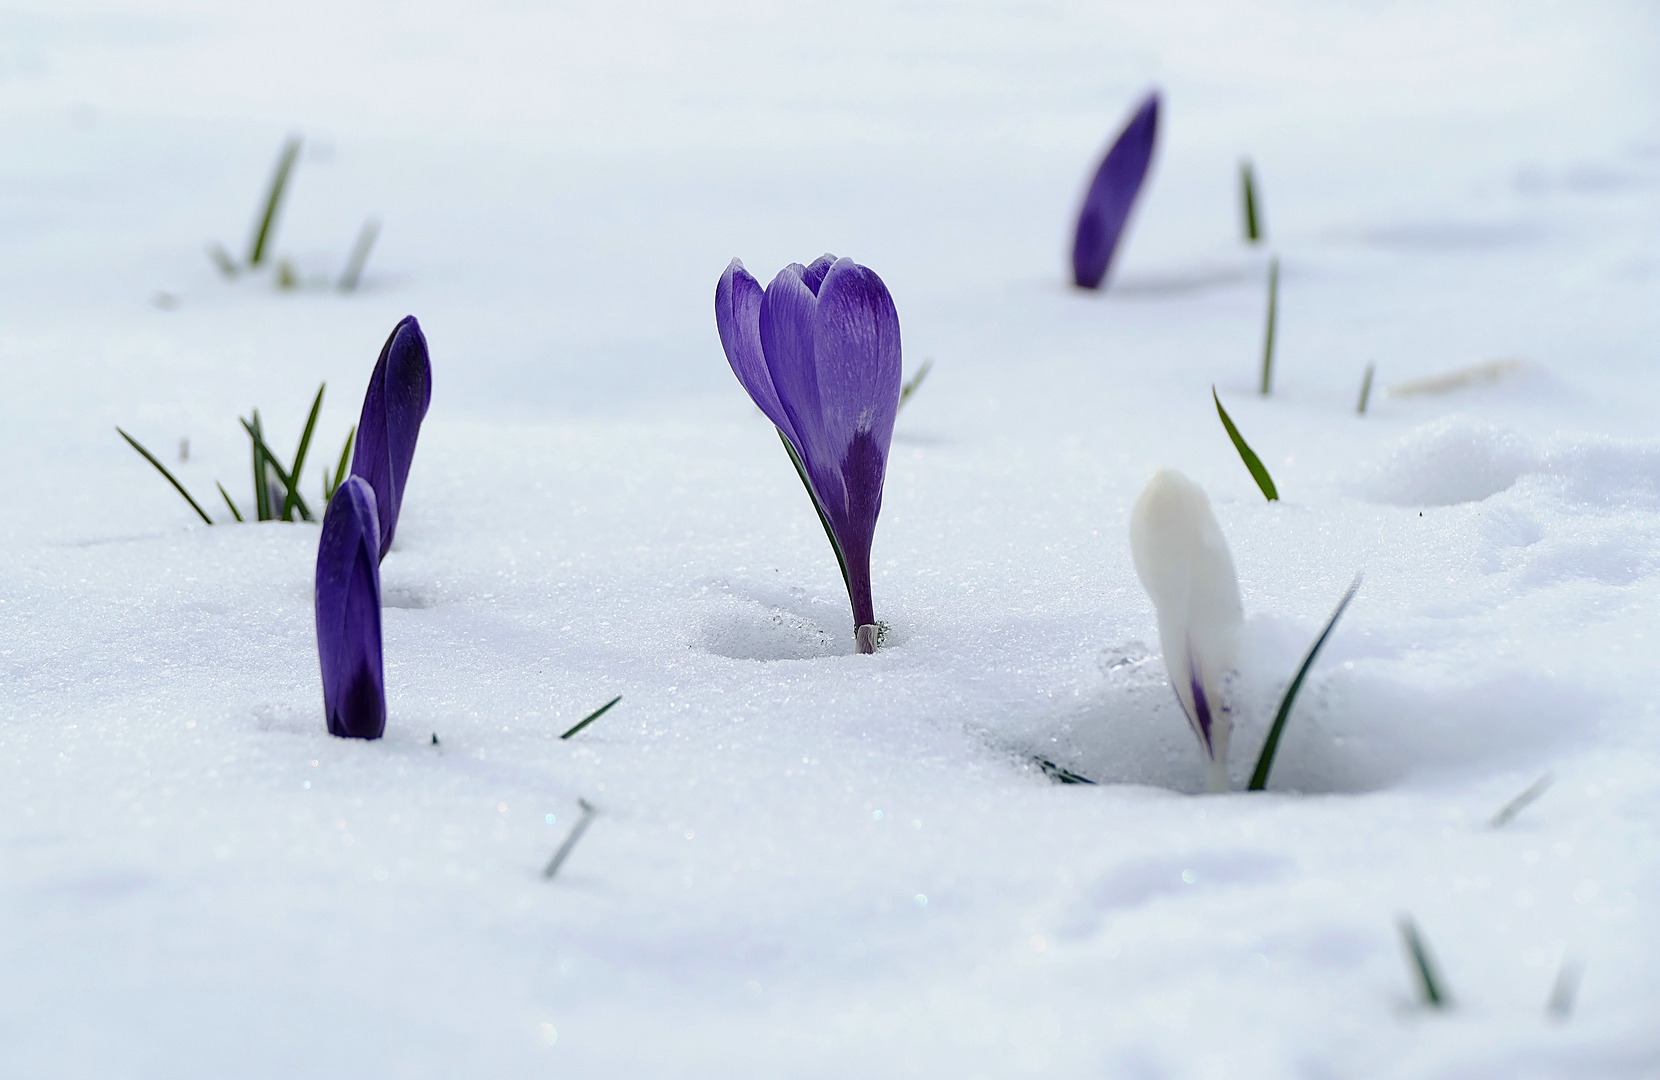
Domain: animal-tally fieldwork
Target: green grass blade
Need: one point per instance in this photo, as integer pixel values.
(577, 830)
(1248, 198)
(801, 471)
(1246, 454)
(275, 464)
(1521, 802)
(1268, 336)
(350, 276)
(1366, 389)
(1429, 982)
(345, 460)
(293, 499)
(1059, 773)
(234, 511)
(273, 200)
(1265, 761)
(591, 717)
(171, 479)
(262, 499)
(1562, 994)
(910, 387)
(222, 259)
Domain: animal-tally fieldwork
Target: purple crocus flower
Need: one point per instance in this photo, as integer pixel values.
(1111, 195)
(399, 391)
(818, 352)
(348, 613)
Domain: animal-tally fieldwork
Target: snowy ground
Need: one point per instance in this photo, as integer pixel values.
(809, 863)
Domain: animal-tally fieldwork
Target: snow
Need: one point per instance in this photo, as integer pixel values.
(808, 863)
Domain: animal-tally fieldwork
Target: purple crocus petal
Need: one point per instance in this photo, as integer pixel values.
(1112, 194)
(348, 614)
(787, 342)
(400, 390)
(738, 318)
(812, 275)
(856, 352)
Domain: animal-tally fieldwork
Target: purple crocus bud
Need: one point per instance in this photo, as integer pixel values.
(348, 613)
(819, 353)
(399, 391)
(1111, 195)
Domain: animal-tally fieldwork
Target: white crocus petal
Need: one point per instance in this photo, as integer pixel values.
(1184, 565)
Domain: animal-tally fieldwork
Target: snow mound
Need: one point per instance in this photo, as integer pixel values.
(1452, 460)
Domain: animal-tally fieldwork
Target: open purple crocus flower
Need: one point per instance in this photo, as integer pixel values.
(399, 392)
(348, 613)
(1112, 194)
(818, 352)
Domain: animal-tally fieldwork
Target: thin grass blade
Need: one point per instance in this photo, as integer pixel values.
(1366, 389)
(1253, 463)
(1268, 335)
(234, 511)
(1248, 201)
(1429, 982)
(275, 465)
(801, 471)
(1059, 773)
(1265, 762)
(345, 460)
(262, 499)
(910, 387)
(293, 499)
(1520, 802)
(359, 256)
(591, 717)
(171, 479)
(577, 830)
(1565, 990)
(273, 201)
(222, 259)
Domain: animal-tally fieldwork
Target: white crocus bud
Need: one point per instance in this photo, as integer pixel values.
(1184, 565)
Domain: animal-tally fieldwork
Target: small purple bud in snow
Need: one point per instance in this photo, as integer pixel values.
(818, 351)
(399, 392)
(348, 613)
(1112, 194)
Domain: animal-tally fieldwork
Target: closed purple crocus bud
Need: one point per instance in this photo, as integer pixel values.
(1112, 194)
(399, 392)
(348, 614)
(818, 351)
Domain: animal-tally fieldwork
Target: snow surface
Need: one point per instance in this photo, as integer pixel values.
(808, 863)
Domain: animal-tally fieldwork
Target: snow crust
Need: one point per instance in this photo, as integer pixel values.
(809, 863)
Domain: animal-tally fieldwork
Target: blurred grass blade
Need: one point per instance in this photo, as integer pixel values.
(283, 476)
(234, 511)
(801, 471)
(345, 460)
(1265, 762)
(591, 717)
(1246, 454)
(1268, 336)
(1565, 990)
(171, 479)
(1248, 199)
(577, 830)
(1366, 389)
(359, 256)
(1429, 983)
(222, 259)
(273, 201)
(293, 499)
(1520, 802)
(910, 387)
